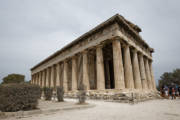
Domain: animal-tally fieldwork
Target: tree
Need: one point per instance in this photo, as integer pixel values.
(13, 78)
(169, 78)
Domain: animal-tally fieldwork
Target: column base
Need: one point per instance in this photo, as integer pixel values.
(42, 95)
(54, 96)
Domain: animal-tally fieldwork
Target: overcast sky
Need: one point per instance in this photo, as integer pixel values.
(31, 30)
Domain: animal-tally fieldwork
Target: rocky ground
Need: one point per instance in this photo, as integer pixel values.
(149, 110)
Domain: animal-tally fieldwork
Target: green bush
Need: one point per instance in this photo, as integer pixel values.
(15, 97)
(48, 92)
(13, 78)
(60, 94)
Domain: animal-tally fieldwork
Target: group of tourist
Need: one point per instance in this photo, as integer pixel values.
(170, 91)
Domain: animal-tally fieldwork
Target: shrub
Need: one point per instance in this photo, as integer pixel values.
(13, 78)
(48, 93)
(15, 97)
(60, 94)
(82, 94)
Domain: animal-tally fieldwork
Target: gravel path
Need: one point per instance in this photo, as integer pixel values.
(149, 110)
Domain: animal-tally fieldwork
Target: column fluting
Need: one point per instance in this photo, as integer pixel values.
(128, 68)
(142, 71)
(85, 70)
(152, 76)
(118, 65)
(65, 79)
(100, 68)
(148, 75)
(136, 71)
(74, 74)
(58, 75)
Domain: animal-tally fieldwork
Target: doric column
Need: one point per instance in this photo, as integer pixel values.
(142, 71)
(65, 79)
(100, 68)
(40, 79)
(148, 75)
(52, 77)
(118, 65)
(136, 72)
(43, 78)
(35, 76)
(128, 68)
(37, 79)
(32, 79)
(152, 76)
(74, 74)
(44, 82)
(47, 77)
(58, 74)
(85, 79)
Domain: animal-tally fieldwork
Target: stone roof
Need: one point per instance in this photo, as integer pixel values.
(133, 30)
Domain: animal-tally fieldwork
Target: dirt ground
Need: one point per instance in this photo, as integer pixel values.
(149, 110)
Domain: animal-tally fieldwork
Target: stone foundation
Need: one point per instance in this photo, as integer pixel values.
(117, 95)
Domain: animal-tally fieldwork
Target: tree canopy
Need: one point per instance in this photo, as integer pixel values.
(170, 78)
(13, 78)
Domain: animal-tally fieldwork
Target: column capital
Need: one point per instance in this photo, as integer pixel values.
(125, 45)
(134, 50)
(52, 66)
(74, 56)
(65, 60)
(57, 64)
(84, 51)
(141, 54)
(116, 39)
(99, 46)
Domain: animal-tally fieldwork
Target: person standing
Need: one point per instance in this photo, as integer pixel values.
(173, 93)
(170, 91)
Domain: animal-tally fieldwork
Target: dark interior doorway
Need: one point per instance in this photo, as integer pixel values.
(108, 66)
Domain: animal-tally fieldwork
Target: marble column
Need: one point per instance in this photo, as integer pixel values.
(100, 68)
(118, 65)
(128, 68)
(52, 77)
(65, 79)
(74, 74)
(142, 71)
(37, 78)
(148, 75)
(85, 79)
(136, 72)
(40, 79)
(152, 75)
(32, 79)
(43, 78)
(58, 75)
(47, 77)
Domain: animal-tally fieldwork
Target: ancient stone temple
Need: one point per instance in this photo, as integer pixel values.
(112, 58)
